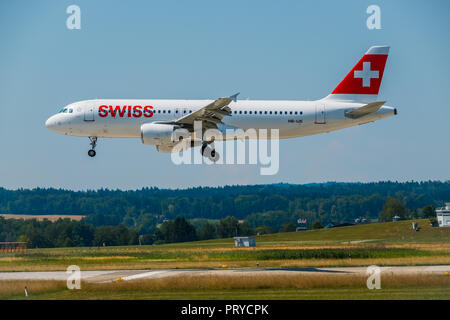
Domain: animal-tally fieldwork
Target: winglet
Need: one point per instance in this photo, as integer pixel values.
(234, 96)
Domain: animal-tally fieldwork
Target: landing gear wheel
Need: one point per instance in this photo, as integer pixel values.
(93, 144)
(209, 152)
(214, 156)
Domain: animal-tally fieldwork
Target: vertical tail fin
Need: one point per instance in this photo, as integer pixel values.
(363, 82)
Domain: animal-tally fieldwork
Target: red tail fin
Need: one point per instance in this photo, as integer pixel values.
(364, 80)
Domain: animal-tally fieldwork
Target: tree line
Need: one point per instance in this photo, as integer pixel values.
(264, 208)
(71, 233)
(332, 201)
(64, 233)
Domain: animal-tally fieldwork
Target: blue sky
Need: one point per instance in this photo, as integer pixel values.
(208, 49)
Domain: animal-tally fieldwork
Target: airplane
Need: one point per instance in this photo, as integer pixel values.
(353, 102)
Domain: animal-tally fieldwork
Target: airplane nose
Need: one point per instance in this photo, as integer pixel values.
(50, 123)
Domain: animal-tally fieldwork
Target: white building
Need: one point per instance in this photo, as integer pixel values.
(443, 215)
(244, 241)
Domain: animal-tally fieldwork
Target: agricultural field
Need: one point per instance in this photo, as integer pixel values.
(42, 217)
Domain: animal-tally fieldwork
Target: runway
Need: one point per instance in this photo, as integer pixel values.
(129, 275)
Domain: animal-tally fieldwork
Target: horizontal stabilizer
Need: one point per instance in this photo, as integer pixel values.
(365, 110)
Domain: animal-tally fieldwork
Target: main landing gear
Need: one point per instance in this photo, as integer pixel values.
(93, 143)
(209, 152)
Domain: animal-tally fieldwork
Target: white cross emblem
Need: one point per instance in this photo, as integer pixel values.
(366, 74)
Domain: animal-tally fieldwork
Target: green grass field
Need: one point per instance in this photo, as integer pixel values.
(389, 232)
(282, 287)
(401, 293)
(393, 243)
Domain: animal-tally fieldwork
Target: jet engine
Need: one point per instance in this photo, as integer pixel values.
(155, 134)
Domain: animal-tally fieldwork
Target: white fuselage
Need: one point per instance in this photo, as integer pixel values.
(292, 118)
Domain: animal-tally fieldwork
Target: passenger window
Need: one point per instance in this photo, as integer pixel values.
(240, 112)
(295, 112)
(301, 112)
(275, 112)
(265, 112)
(250, 112)
(168, 111)
(245, 112)
(290, 112)
(260, 112)
(270, 112)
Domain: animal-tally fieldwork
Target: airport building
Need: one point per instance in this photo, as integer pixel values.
(443, 215)
(244, 241)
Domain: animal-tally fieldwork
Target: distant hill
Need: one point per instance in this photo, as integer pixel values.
(277, 203)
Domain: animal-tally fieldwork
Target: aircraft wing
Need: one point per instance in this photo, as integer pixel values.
(210, 115)
(365, 110)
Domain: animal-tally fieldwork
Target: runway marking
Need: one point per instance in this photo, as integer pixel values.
(48, 275)
(144, 275)
(112, 275)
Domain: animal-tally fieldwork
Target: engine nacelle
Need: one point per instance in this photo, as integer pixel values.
(156, 134)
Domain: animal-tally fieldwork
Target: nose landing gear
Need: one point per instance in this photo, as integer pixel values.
(93, 143)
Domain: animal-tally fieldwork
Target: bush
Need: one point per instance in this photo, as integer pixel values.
(317, 225)
(288, 227)
(434, 222)
(428, 212)
(391, 208)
